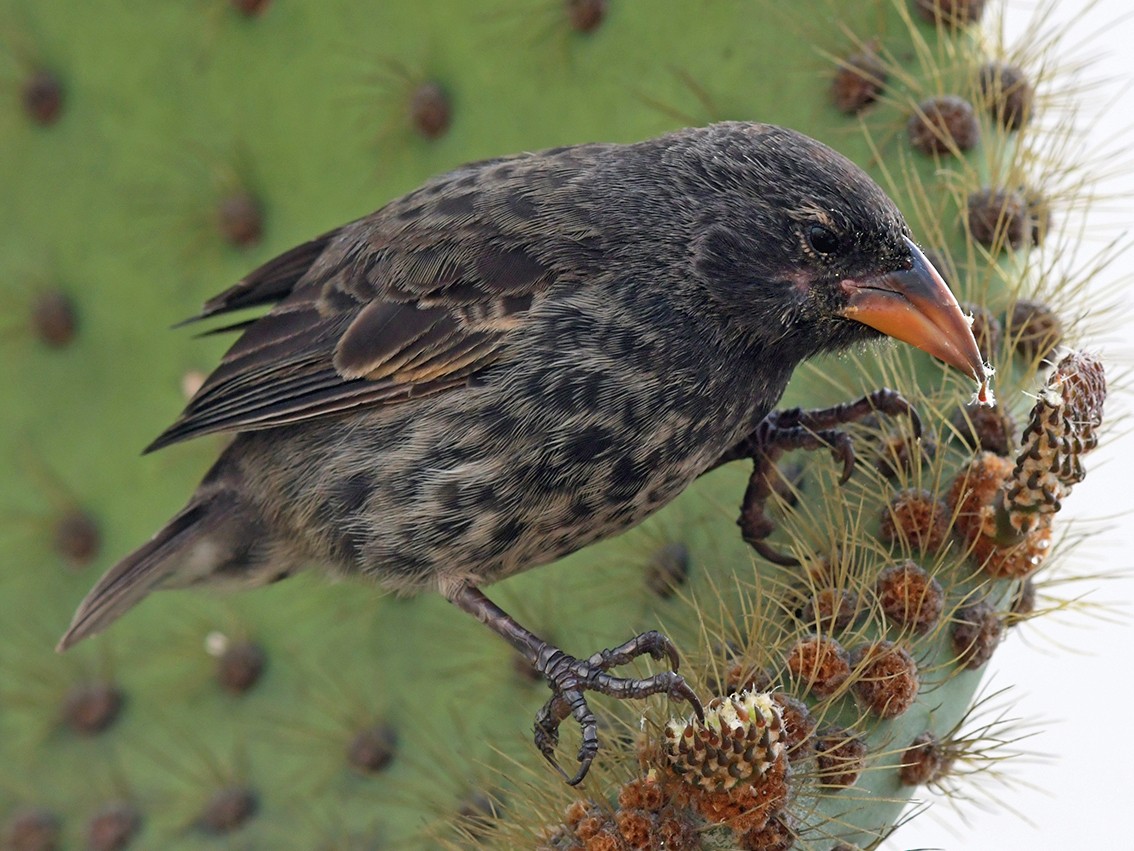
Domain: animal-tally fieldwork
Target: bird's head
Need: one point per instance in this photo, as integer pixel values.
(803, 250)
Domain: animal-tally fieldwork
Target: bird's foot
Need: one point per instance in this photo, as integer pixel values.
(569, 678)
(795, 428)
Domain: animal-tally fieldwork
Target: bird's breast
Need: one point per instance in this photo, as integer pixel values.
(548, 453)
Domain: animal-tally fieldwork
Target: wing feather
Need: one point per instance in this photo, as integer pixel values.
(402, 304)
(269, 283)
(385, 335)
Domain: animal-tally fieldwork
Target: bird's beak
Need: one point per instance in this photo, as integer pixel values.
(915, 306)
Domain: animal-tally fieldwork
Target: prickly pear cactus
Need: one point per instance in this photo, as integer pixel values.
(153, 155)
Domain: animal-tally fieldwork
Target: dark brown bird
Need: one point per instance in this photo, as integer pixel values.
(524, 356)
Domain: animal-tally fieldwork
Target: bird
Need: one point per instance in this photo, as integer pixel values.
(524, 356)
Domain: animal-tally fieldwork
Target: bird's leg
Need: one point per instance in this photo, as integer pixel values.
(557, 708)
(795, 428)
(569, 677)
(771, 441)
(882, 401)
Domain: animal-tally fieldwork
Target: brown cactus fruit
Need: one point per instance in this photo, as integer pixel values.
(923, 761)
(909, 596)
(840, 756)
(1035, 329)
(977, 630)
(820, 663)
(945, 124)
(915, 518)
(1008, 94)
(953, 13)
(858, 82)
(430, 110)
(885, 679)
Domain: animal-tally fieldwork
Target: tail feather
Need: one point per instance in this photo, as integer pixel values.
(125, 584)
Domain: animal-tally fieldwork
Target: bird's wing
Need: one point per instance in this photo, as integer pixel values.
(374, 313)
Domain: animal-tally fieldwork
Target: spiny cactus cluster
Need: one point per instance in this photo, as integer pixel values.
(154, 156)
(739, 738)
(1063, 428)
(754, 773)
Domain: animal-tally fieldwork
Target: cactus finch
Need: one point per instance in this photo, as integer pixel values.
(524, 356)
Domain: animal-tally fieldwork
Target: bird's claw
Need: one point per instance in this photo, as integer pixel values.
(842, 447)
(569, 678)
(795, 428)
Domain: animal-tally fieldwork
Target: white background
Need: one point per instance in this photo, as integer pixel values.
(1072, 674)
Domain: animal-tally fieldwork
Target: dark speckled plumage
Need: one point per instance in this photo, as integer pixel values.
(521, 357)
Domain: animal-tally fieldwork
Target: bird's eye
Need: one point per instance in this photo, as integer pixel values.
(822, 240)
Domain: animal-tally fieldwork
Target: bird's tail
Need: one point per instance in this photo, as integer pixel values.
(192, 545)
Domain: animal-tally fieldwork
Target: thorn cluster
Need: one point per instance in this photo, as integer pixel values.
(668, 570)
(909, 596)
(53, 318)
(977, 630)
(799, 725)
(988, 428)
(1063, 428)
(1008, 93)
(830, 609)
(973, 499)
(924, 761)
(915, 518)
(859, 82)
(840, 755)
(739, 738)
(228, 809)
(240, 666)
(373, 748)
(944, 125)
(1034, 328)
(90, 708)
(113, 827)
(887, 679)
(820, 663)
